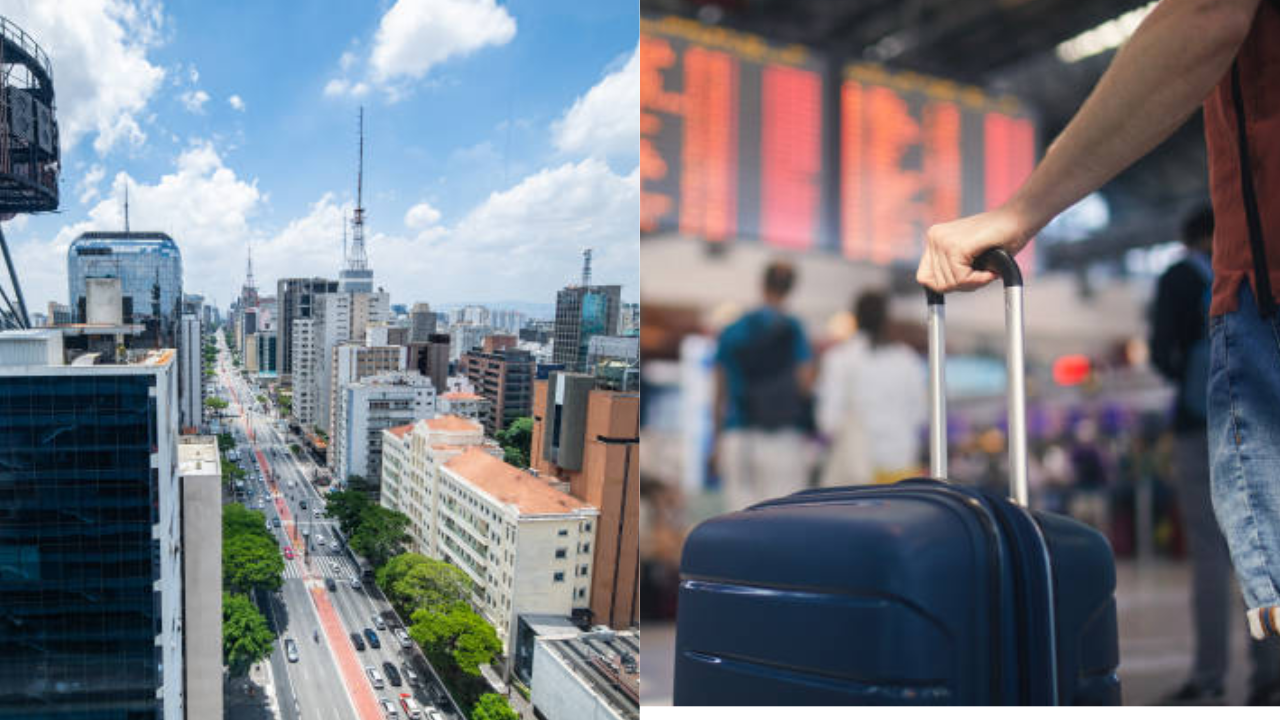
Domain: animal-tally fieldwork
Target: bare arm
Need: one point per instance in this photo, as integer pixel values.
(1160, 76)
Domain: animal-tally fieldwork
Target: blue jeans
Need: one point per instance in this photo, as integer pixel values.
(1244, 443)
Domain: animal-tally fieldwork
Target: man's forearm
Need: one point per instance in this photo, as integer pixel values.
(1160, 76)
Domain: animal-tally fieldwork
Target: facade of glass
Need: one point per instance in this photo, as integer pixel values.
(149, 266)
(89, 600)
(583, 312)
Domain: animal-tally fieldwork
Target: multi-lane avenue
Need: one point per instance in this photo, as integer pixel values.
(323, 600)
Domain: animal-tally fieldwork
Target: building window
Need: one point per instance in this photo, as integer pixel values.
(558, 577)
(563, 532)
(587, 528)
(582, 593)
(560, 553)
(585, 569)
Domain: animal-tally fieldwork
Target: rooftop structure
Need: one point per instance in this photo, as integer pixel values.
(593, 674)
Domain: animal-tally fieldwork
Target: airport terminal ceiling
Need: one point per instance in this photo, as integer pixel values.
(1005, 47)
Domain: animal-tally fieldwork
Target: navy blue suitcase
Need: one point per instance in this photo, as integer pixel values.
(920, 592)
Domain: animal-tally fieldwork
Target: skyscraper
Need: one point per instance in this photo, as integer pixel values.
(149, 266)
(422, 322)
(583, 312)
(91, 532)
(431, 358)
(190, 374)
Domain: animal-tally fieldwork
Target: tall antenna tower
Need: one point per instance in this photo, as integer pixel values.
(356, 259)
(126, 207)
(248, 270)
(586, 267)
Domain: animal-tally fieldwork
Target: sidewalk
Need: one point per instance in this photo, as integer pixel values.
(251, 698)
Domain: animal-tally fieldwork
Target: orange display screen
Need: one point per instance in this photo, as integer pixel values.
(731, 136)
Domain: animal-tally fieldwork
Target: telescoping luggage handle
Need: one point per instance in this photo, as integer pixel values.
(1002, 263)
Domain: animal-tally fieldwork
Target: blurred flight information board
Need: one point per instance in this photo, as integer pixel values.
(732, 146)
(730, 135)
(915, 151)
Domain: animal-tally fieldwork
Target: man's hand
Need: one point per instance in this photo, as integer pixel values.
(951, 248)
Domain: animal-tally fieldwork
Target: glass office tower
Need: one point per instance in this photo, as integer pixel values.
(90, 554)
(149, 266)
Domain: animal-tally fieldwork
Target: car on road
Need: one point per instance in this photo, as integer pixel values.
(275, 521)
(320, 540)
(410, 675)
(303, 504)
(329, 583)
(288, 552)
(393, 675)
(334, 565)
(434, 714)
(357, 641)
(389, 709)
(375, 677)
(291, 649)
(403, 637)
(374, 642)
(355, 583)
(411, 707)
(378, 622)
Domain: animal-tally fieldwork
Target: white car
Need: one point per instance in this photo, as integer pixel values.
(403, 637)
(320, 540)
(389, 709)
(375, 677)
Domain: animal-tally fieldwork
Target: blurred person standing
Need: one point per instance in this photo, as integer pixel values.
(764, 379)
(1222, 55)
(1180, 351)
(871, 402)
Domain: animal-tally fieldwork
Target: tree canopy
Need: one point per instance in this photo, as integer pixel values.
(412, 581)
(216, 403)
(458, 632)
(246, 637)
(250, 556)
(515, 441)
(493, 706)
(346, 506)
(380, 534)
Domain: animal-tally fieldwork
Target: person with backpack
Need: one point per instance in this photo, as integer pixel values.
(1180, 351)
(1223, 55)
(764, 379)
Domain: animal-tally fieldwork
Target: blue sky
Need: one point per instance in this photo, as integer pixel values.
(500, 140)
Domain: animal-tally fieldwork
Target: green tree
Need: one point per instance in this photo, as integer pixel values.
(346, 507)
(226, 442)
(412, 581)
(493, 706)
(457, 633)
(380, 533)
(238, 520)
(251, 562)
(246, 637)
(515, 441)
(231, 472)
(216, 403)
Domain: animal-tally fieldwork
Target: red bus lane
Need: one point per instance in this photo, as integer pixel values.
(358, 689)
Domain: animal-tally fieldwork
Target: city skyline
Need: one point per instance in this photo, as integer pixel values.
(219, 157)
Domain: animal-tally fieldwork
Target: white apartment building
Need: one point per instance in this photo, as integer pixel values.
(369, 406)
(464, 337)
(342, 318)
(350, 362)
(305, 385)
(525, 544)
(466, 405)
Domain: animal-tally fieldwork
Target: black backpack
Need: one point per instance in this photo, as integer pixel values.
(771, 397)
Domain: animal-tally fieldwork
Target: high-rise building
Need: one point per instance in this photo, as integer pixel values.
(149, 267)
(367, 407)
(498, 343)
(60, 314)
(466, 336)
(505, 379)
(582, 312)
(306, 384)
(526, 546)
(629, 322)
(267, 342)
(190, 374)
(431, 358)
(590, 438)
(338, 318)
(296, 300)
(422, 323)
(351, 362)
(466, 405)
(200, 471)
(92, 601)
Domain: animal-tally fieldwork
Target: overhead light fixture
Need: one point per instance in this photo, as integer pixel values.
(1105, 36)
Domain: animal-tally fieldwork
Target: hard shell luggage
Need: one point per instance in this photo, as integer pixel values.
(922, 592)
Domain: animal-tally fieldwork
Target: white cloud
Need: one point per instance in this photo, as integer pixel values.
(421, 216)
(524, 242)
(88, 185)
(194, 75)
(194, 100)
(201, 203)
(98, 49)
(606, 120)
(236, 103)
(416, 35)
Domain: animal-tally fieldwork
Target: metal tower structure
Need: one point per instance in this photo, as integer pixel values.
(356, 276)
(586, 267)
(30, 160)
